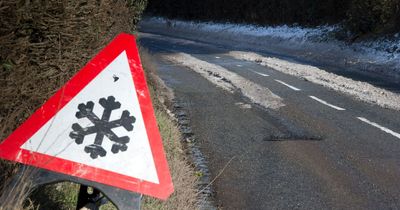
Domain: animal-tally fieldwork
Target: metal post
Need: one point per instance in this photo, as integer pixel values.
(88, 200)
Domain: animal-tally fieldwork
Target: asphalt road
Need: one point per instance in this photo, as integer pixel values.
(323, 150)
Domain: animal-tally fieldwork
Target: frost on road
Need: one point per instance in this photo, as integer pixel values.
(360, 90)
(228, 80)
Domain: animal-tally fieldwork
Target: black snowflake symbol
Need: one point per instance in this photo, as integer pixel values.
(102, 127)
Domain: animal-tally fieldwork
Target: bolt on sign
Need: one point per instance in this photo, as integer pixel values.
(100, 126)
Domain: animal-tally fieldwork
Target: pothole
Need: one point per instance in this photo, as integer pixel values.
(292, 137)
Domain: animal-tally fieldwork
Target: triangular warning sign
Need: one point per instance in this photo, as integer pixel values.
(100, 126)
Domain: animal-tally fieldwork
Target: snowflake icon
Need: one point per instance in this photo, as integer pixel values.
(102, 127)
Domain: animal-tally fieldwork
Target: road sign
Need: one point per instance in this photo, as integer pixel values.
(100, 126)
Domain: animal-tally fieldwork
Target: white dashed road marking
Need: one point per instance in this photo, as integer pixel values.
(326, 103)
(217, 57)
(289, 86)
(238, 65)
(261, 74)
(387, 130)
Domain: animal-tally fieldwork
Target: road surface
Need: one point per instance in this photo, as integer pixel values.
(321, 150)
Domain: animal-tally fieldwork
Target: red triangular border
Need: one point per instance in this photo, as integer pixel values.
(10, 148)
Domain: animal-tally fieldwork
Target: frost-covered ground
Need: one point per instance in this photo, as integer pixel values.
(228, 80)
(359, 90)
(315, 45)
(283, 32)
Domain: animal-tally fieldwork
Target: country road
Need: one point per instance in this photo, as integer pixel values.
(313, 148)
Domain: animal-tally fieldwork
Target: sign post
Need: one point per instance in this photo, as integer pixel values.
(98, 130)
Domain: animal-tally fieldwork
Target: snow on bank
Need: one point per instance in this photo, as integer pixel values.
(228, 80)
(387, 49)
(360, 90)
(284, 32)
(310, 43)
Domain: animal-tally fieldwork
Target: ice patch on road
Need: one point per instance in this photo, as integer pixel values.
(360, 90)
(243, 105)
(228, 80)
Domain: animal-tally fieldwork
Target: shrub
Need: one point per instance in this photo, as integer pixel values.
(365, 16)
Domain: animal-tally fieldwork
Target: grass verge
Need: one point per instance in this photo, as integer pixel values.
(183, 175)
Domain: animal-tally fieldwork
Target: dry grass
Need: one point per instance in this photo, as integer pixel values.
(16, 191)
(183, 176)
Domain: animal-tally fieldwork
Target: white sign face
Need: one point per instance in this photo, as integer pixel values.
(102, 127)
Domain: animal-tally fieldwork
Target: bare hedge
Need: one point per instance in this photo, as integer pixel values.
(358, 16)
